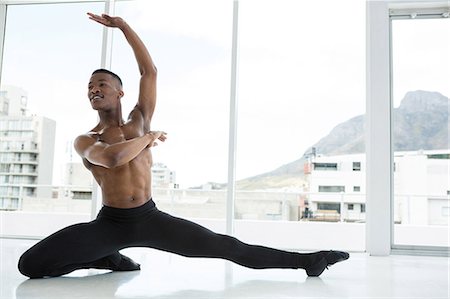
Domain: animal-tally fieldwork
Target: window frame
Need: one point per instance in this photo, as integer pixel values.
(379, 168)
(379, 149)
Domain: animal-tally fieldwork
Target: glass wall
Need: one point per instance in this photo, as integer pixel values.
(47, 62)
(301, 93)
(421, 90)
(301, 130)
(300, 149)
(191, 47)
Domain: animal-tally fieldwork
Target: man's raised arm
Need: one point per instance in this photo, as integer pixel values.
(147, 89)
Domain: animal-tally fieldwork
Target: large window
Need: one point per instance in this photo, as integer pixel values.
(300, 110)
(301, 105)
(47, 62)
(191, 47)
(301, 94)
(421, 90)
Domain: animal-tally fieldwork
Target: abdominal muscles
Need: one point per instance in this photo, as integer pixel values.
(128, 185)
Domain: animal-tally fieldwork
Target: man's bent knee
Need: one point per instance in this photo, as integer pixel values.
(30, 266)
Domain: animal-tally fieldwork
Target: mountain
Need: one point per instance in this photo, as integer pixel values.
(420, 122)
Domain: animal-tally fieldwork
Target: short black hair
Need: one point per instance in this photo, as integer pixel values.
(108, 72)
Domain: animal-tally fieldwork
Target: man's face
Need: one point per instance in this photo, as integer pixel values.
(104, 91)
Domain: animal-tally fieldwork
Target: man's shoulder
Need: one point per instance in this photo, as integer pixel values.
(88, 135)
(136, 119)
(84, 140)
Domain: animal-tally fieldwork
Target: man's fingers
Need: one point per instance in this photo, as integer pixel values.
(94, 16)
(97, 19)
(159, 135)
(103, 19)
(106, 17)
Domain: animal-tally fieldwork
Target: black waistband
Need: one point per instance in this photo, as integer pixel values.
(127, 213)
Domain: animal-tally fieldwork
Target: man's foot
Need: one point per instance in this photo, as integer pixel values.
(325, 259)
(127, 264)
(116, 262)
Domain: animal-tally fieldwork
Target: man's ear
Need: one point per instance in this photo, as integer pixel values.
(121, 94)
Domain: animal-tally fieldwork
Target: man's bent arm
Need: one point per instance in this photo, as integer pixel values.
(112, 155)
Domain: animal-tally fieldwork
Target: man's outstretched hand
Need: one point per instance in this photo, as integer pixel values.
(157, 135)
(106, 20)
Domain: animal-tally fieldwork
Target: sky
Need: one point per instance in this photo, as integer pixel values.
(301, 71)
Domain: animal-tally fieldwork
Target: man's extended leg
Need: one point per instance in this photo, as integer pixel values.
(186, 238)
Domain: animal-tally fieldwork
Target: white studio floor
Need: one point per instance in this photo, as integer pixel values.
(165, 275)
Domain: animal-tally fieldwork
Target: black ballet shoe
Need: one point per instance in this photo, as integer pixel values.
(127, 264)
(326, 259)
(116, 262)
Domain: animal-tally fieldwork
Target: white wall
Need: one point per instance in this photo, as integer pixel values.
(36, 225)
(279, 234)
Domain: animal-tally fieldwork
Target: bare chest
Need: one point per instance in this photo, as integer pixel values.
(118, 134)
(138, 167)
(114, 135)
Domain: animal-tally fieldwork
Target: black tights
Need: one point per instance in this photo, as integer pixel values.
(81, 246)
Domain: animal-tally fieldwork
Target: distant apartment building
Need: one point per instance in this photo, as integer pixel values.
(162, 176)
(421, 187)
(337, 187)
(26, 151)
(77, 182)
(13, 101)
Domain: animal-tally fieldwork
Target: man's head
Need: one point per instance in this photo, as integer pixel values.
(105, 90)
(105, 71)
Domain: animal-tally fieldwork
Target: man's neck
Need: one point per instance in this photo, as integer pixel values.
(110, 119)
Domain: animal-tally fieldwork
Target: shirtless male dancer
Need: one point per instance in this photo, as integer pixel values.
(118, 155)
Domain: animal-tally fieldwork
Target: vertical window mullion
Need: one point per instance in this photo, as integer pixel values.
(104, 63)
(3, 8)
(231, 192)
(378, 167)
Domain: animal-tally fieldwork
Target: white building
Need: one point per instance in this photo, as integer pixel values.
(77, 182)
(27, 146)
(162, 176)
(421, 187)
(26, 150)
(13, 101)
(337, 187)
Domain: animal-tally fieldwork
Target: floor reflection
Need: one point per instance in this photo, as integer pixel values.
(137, 284)
(75, 286)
